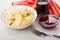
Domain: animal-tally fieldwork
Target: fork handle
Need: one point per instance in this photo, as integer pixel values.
(56, 36)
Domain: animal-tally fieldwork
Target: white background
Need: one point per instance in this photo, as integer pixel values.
(7, 33)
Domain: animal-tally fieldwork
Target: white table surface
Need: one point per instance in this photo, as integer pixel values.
(7, 33)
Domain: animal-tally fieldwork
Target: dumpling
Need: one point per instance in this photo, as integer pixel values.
(9, 21)
(29, 12)
(18, 20)
(23, 12)
(27, 20)
(8, 15)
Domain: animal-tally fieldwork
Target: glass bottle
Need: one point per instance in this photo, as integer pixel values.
(46, 19)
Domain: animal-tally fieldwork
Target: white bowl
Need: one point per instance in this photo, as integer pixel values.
(19, 7)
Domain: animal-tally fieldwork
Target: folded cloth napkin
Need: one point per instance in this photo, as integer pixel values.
(31, 3)
(53, 5)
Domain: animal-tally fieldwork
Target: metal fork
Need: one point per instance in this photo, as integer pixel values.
(42, 34)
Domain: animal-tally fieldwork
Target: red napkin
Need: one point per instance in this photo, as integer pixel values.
(31, 3)
(53, 6)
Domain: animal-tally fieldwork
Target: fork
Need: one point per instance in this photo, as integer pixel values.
(42, 34)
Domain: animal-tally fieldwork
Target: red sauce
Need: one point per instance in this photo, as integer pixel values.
(48, 21)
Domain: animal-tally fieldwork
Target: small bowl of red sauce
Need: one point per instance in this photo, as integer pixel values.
(48, 21)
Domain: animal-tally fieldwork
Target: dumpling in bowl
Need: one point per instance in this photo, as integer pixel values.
(27, 20)
(19, 17)
(18, 20)
(9, 21)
